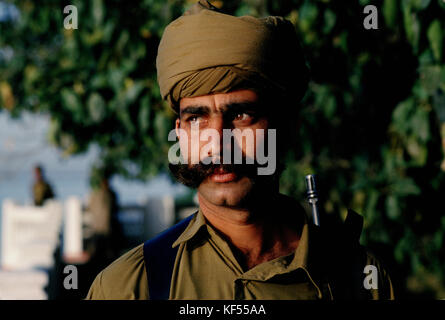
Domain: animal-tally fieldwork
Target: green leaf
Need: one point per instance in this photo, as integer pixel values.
(93, 38)
(98, 12)
(421, 125)
(439, 105)
(390, 8)
(435, 38)
(438, 240)
(431, 78)
(70, 100)
(122, 41)
(125, 118)
(412, 26)
(401, 114)
(364, 2)
(307, 16)
(420, 5)
(404, 186)
(417, 151)
(116, 79)
(392, 207)
(96, 107)
(426, 58)
(329, 21)
(144, 114)
(161, 126)
(133, 91)
(108, 31)
(98, 81)
(371, 203)
(329, 107)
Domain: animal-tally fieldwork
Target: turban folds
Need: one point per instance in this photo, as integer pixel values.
(206, 51)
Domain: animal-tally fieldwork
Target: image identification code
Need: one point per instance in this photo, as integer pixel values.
(229, 309)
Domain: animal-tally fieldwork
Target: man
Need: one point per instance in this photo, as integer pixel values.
(103, 207)
(240, 75)
(41, 189)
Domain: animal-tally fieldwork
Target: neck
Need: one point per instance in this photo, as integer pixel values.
(256, 235)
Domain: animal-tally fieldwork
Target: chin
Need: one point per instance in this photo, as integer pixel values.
(227, 194)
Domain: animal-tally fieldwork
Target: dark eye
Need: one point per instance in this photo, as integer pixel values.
(242, 116)
(194, 119)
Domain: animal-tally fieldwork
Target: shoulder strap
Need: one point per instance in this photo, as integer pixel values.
(159, 257)
(346, 274)
(353, 227)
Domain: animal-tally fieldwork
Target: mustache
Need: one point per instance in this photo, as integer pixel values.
(192, 175)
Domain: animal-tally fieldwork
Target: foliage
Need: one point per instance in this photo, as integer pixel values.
(371, 124)
(98, 82)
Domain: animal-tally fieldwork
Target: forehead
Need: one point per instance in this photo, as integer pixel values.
(218, 100)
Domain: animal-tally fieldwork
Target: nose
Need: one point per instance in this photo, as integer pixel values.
(217, 141)
(218, 123)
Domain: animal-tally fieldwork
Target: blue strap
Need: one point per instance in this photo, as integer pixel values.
(159, 257)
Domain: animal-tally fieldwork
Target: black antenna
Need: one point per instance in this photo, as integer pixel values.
(312, 198)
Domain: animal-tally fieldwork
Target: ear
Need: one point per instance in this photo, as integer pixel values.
(177, 126)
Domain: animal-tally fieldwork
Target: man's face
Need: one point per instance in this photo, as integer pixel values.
(37, 174)
(210, 117)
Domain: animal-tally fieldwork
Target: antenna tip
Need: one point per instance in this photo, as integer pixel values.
(310, 181)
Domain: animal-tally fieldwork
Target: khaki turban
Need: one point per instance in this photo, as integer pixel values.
(205, 51)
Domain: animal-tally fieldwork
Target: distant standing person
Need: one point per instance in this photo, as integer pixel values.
(41, 189)
(103, 206)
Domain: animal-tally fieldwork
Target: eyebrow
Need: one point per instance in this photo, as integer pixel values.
(200, 110)
(242, 107)
(230, 107)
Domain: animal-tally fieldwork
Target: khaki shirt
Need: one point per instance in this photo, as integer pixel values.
(42, 191)
(205, 268)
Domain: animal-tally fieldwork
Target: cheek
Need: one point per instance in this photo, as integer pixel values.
(191, 146)
(246, 142)
(251, 139)
(184, 144)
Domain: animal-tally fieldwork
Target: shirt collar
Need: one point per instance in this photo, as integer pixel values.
(197, 222)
